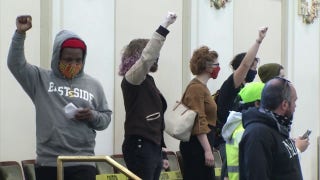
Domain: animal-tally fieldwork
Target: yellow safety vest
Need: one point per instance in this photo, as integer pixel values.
(232, 151)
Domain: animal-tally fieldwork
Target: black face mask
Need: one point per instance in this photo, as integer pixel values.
(284, 120)
(289, 116)
(154, 67)
(251, 75)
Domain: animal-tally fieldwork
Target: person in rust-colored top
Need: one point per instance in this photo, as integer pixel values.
(197, 153)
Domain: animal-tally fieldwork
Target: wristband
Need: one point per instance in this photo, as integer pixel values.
(258, 41)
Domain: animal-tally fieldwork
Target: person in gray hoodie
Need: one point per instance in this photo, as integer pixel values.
(58, 131)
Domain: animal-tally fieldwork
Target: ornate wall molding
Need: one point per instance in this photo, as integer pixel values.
(218, 3)
(308, 14)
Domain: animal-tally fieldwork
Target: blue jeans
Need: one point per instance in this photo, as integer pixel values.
(142, 157)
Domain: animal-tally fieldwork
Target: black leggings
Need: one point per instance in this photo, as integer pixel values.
(194, 160)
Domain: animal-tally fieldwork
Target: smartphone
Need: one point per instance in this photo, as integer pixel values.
(306, 134)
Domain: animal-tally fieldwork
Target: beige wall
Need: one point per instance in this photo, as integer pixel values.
(249, 16)
(303, 57)
(17, 120)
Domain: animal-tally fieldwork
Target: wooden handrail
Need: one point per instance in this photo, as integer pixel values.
(107, 159)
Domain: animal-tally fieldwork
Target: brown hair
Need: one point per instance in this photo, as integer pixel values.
(131, 54)
(199, 59)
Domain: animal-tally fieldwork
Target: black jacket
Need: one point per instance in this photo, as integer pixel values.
(145, 107)
(266, 151)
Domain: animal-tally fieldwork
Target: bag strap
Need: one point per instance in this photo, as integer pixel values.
(185, 92)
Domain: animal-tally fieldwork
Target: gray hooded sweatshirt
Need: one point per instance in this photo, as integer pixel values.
(51, 92)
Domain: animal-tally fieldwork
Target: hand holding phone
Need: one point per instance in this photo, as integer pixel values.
(306, 134)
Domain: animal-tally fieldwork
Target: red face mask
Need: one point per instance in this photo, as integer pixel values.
(215, 72)
(70, 70)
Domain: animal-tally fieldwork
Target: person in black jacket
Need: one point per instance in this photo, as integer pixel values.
(266, 151)
(244, 67)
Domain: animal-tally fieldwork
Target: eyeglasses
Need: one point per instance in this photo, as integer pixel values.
(212, 64)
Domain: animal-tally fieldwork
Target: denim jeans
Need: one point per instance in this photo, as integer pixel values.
(142, 157)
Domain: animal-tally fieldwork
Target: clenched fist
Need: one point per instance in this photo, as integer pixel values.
(262, 34)
(23, 23)
(170, 19)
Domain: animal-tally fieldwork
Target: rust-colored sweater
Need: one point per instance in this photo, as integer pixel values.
(198, 98)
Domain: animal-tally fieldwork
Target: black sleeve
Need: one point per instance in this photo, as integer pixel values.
(162, 31)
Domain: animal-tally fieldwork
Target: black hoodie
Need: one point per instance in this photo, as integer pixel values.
(266, 151)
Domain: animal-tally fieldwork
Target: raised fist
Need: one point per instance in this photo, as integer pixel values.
(170, 19)
(262, 33)
(23, 23)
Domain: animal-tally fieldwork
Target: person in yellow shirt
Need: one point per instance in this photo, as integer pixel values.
(232, 131)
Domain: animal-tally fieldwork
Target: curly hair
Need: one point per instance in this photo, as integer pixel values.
(132, 52)
(199, 59)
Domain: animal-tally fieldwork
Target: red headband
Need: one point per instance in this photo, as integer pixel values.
(74, 43)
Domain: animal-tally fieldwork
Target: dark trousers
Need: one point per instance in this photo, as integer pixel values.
(194, 161)
(142, 157)
(70, 173)
(223, 154)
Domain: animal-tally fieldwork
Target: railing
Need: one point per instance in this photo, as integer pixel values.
(107, 159)
(318, 152)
